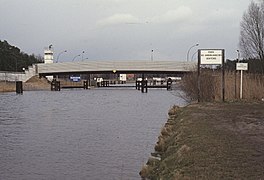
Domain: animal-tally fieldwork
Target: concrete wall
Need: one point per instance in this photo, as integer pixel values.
(18, 76)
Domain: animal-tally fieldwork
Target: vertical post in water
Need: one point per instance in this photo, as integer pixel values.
(52, 85)
(55, 85)
(85, 84)
(169, 84)
(19, 87)
(89, 80)
(143, 83)
(146, 86)
(58, 88)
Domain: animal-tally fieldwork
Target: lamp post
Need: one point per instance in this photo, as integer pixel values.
(238, 55)
(76, 57)
(82, 55)
(190, 50)
(194, 55)
(152, 55)
(60, 54)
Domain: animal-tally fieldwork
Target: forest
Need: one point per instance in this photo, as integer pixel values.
(13, 59)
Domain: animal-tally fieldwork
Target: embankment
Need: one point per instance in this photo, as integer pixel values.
(32, 84)
(7, 86)
(210, 141)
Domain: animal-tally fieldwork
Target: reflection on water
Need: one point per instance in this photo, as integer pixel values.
(77, 134)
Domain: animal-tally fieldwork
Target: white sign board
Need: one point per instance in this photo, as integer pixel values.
(211, 57)
(242, 66)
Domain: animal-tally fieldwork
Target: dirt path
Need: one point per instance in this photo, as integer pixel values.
(211, 141)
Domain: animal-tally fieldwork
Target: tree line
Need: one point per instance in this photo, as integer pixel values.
(13, 59)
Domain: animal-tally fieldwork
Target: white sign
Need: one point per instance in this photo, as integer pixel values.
(211, 57)
(242, 66)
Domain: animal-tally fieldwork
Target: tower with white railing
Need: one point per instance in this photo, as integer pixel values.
(48, 55)
(48, 58)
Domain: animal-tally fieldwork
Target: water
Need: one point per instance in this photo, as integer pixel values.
(77, 134)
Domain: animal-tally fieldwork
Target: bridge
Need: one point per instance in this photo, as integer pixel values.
(102, 67)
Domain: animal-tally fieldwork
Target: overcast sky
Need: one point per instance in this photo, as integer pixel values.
(122, 29)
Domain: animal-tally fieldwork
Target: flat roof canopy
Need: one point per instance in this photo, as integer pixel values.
(100, 67)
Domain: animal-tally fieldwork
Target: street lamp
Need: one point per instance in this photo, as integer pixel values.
(59, 55)
(75, 57)
(190, 49)
(194, 55)
(82, 55)
(238, 55)
(152, 54)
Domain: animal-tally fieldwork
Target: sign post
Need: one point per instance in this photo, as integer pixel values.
(242, 67)
(212, 57)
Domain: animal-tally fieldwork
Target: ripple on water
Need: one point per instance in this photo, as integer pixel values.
(95, 134)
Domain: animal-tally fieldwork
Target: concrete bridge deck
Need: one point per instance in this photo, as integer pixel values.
(90, 67)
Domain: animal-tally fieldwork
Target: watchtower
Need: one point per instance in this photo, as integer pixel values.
(48, 55)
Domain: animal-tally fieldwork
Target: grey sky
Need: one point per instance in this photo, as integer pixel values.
(122, 29)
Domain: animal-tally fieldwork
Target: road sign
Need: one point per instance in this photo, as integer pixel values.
(242, 66)
(75, 78)
(211, 57)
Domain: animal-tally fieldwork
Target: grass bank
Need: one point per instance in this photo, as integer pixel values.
(210, 141)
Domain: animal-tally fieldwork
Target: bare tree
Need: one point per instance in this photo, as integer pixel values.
(252, 31)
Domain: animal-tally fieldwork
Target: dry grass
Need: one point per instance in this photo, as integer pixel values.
(212, 141)
(145, 170)
(211, 86)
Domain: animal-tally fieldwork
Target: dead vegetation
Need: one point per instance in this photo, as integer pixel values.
(211, 86)
(210, 141)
